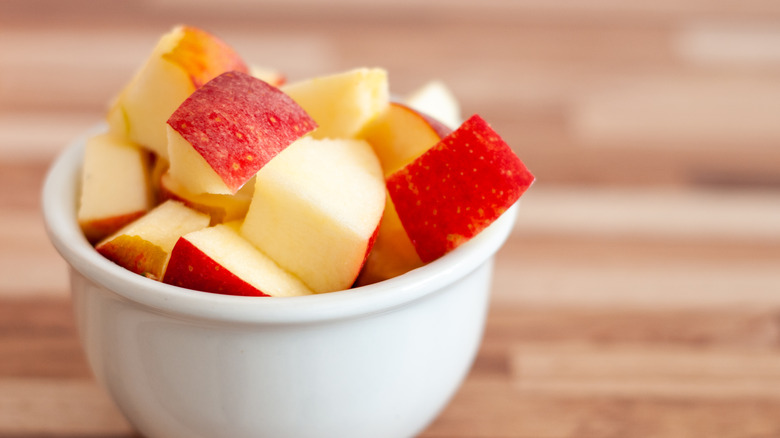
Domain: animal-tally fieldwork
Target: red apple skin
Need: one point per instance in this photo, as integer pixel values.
(457, 188)
(237, 123)
(190, 268)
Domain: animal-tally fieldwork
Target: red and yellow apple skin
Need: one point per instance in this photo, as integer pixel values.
(457, 188)
(191, 268)
(236, 123)
(204, 56)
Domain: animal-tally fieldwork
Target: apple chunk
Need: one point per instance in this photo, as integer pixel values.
(114, 186)
(182, 61)
(457, 188)
(342, 103)
(143, 246)
(229, 129)
(217, 259)
(316, 209)
(398, 135)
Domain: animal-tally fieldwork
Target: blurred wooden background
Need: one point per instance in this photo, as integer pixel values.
(640, 293)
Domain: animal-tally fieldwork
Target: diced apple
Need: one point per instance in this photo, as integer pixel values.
(272, 76)
(316, 210)
(342, 103)
(221, 208)
(437, 101)
(182, 61)
(143, 246)
(400, 134)
(114, 186)
(457, 188)
(228, 129)
(217, 259)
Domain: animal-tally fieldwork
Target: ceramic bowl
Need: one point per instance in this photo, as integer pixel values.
(377, 361)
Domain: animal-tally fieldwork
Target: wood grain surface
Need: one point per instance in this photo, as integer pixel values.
(639, 294)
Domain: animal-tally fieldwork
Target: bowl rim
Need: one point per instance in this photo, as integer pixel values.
(59, 201)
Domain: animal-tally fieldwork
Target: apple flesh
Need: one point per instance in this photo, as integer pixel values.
(316, 210)
(143, 246)
(114, 186)
(229, 129)
(457, 188)
(342, 103)
(218, 260)
(221, 208)
(182, 61)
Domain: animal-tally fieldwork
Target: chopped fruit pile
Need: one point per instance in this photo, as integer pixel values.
(224, 178)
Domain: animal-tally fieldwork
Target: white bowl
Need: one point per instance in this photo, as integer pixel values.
(377, 361)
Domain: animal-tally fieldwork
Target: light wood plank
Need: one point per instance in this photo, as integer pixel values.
(628, 371)
(43, 407)
(673, 214)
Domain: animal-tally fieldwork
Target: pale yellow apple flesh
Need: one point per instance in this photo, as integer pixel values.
(221, 208)
(143, 245)
(316, 209)
(342, 103)
(114, 186)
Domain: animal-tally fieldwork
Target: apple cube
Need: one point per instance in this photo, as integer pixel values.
(228, 129)
(221, 208)
(316, 210)
(114, 186)
(143, 246)
(342, 103)
(400, 134)
(457, 188)
(437, 101)
(182, 61)
(217, 259)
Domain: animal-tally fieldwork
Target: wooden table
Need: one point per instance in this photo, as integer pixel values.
(640, 292)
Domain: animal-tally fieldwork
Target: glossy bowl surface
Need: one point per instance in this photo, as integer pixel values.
(377, 361)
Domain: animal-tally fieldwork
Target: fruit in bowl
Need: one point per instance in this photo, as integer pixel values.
(250, 213)
(327, 178)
